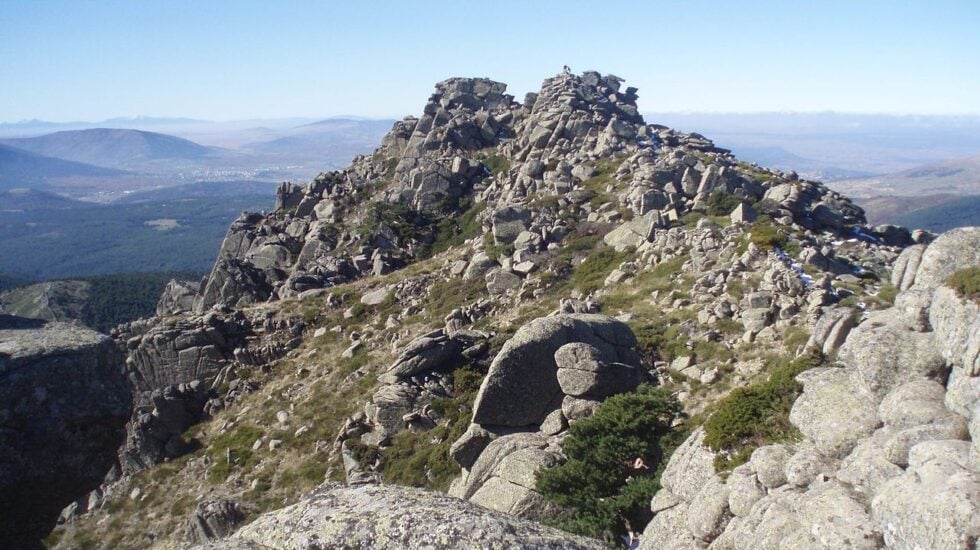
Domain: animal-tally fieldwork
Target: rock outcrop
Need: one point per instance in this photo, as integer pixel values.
(887, 458)
(377, 516)
(64, 403)
(552, 371)
(306, 336)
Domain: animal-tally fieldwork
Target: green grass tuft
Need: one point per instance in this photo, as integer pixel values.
(966, 283)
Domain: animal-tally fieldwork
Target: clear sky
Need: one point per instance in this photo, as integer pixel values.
(91, 60)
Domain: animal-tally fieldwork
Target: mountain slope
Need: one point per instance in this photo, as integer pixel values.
(20, 168)
(329, 143)
(113, 147)
(958, 176)
(489, 295)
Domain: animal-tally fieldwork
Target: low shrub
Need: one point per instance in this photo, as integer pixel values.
(756, 415)
(496, 164)
(597, 483)
(422, 459)
(721, 203)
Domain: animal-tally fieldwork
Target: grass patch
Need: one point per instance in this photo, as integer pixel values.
(350, 364)
(453, 231)
(756, 415)
(233, 450)
(604, 176)
(590, 275)
(494, 250)
(966, 283)
(447, 294)
(495, 164)
(310, 473)
(721, 203)
(422, 459)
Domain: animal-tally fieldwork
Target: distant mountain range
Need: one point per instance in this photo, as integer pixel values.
(831, 146)
(959, 177)
(317, 140)
(104, 164)
(116, 148)
(937, 196)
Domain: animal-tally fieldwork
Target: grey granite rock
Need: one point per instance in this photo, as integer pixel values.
(64, 403)
(383, 516)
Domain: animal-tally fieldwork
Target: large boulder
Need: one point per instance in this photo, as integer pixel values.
(508, 222)
(634, 233)
(522, 386)
(582, 373)
(953, 250)
(934, 504)
(833, 412)
(386, 516)
(178, 297)
(64, 403)
(883, 354)
(906, 265)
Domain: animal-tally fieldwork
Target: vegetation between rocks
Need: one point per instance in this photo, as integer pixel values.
(966, 283)
(598, 484)
(757, 414)
(422, 459)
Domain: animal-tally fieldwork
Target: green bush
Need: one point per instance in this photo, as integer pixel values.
(497, 164)
(422, 459)
(597, 484)
(888, 293)
(721, 203)
(767, 236)
(494, 250)
(466, 381)
(453, 231)
(756, 415)
(966, 283)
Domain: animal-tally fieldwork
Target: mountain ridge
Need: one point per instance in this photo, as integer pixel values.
(459, 309)
(112, 147)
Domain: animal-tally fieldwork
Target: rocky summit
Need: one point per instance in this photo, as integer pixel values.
(581, 327)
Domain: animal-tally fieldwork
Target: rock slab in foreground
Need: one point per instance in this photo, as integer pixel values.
(385, 516)
(64, 403)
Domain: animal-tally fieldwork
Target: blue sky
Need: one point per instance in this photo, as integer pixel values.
(89, 60)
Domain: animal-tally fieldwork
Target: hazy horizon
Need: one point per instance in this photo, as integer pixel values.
(354, 116)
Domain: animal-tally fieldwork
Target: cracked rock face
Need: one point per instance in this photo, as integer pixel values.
(378, 516)
(64, 403)
(522, 385)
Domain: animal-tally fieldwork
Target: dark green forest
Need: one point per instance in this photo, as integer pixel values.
(52, 241)
(115, 299)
